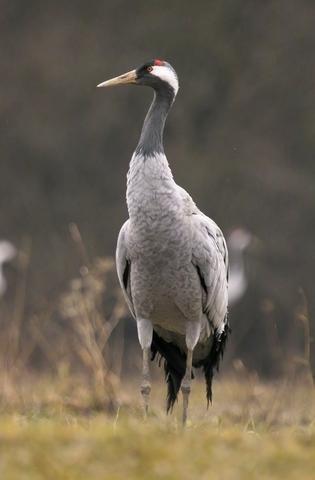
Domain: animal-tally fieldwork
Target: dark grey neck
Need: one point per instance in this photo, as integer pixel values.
(151, 139)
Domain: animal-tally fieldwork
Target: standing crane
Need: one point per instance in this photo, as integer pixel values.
(238, 240)
(7, 253)
(172, 260)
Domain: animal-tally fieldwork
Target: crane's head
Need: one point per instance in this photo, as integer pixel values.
(157, 74)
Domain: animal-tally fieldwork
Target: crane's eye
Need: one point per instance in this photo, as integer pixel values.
(149, 69)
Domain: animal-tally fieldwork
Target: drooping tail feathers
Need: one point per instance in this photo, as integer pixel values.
(174, 366)
(212, 361)
(175, 363)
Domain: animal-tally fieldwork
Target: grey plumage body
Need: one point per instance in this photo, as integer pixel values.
(172, 260)
(166, 240)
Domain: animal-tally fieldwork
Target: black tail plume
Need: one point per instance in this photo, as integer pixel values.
(174, 366)
(175, 363)
(212, 362)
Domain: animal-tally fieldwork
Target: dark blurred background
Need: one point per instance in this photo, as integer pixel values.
(240, 139)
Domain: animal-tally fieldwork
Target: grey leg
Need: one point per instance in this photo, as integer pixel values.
(145, 332)
(146, 381)
(186, 385)
(192, 337)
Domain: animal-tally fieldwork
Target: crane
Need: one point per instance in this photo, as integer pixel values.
(238, 240)
(7, 253)
(171, 259)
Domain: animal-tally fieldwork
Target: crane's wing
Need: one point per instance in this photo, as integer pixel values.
(210, 256)
(123, 265)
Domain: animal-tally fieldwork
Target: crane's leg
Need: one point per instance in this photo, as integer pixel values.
(192, 337)
(146, 381)
(186, 385)
(145, 333)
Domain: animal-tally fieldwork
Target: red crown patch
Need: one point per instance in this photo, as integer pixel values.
(158, 62)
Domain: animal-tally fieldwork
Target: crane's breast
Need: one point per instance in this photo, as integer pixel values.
(165, 288)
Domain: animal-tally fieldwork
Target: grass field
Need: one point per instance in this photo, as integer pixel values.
(252, 430)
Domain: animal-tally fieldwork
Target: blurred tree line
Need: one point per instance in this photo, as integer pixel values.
(240, 139)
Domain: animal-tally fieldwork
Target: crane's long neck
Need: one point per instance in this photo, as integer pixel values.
(151, 139)
(150, 183)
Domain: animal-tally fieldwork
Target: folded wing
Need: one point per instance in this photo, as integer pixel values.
(210, 257)
(123, 266)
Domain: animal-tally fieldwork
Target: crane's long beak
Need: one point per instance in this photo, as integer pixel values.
(125, 79)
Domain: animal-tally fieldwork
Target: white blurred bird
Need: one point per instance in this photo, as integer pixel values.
(237, 242)
(7, 253)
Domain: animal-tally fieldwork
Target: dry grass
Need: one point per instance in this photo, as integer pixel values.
(69, 336)
(77, 419)
(51, 429)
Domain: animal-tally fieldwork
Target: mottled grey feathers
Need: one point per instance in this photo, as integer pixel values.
(172, 260)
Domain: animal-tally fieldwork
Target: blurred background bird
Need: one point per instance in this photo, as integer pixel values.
(7, 253)
(238, 241)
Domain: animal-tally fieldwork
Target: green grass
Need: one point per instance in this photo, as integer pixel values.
(252, 431)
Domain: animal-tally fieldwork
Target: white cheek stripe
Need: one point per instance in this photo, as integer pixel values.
(166, 74)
